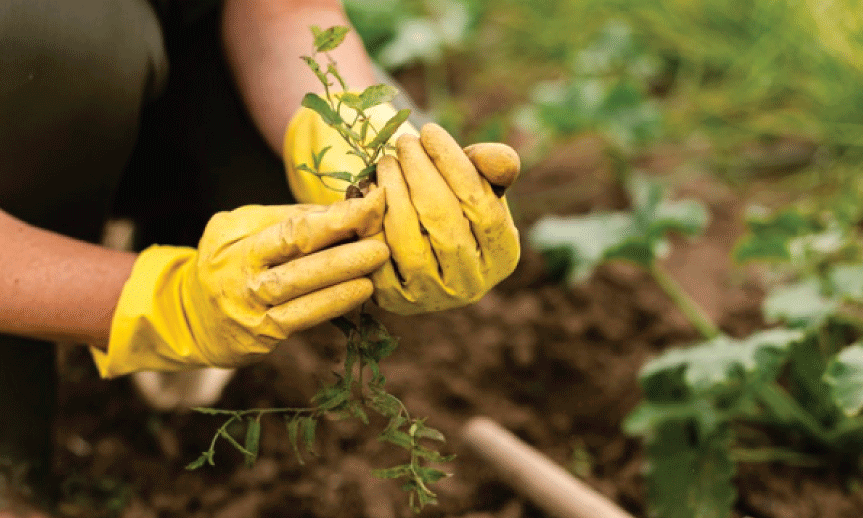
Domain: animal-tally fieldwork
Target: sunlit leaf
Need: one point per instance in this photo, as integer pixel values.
(320, 106)
(798, 305)
(389, 129)
(844, 376)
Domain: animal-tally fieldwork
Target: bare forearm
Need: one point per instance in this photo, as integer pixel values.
(57, 288)
(263, 42)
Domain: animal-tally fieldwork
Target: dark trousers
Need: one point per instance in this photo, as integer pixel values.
(109, 108)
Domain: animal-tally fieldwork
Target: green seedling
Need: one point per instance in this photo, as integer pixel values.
(360, 388)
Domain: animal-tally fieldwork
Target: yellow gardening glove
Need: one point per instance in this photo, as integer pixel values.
(308, 134)
(451, 237)
(259, 274)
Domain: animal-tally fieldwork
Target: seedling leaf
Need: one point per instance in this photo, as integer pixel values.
(390, 128)
(317, 103)
(377, 94)
(253, 441)
(844, 376)
(328, 39)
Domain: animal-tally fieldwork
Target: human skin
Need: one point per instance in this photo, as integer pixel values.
(54, 287)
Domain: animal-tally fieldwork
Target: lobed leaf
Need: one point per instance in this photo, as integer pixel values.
(799, 305)
(720, 364)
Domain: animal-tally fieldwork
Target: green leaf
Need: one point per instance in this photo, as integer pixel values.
(333, 71)
(329, 39)
(649, 416)
(316, 68)
(425, 432)
(389, 129)
(320, 106)
(844, 376)
(338, 175)
(846, 281)
(718, 366)
(397, 437)
(798, 305)
(769, 236)
(206, 457)
(377, 94)
(318, 157)
(351, 100)
(253, 441)
(307, 428)
(367, 171)
(384, 403)
(394, 472)
(331, 398)
(688, 478)
(213, 411)
(293, 424)
(431, 475)
(580, 244)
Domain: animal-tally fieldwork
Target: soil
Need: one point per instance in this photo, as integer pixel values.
(556, 365)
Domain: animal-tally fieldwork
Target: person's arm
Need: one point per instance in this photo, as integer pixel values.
(263, 41)
(53, 287)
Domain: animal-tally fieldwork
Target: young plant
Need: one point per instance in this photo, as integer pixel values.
(792, 393)
(360, 388)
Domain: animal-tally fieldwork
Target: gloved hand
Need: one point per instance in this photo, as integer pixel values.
(451, 237)
(259, 274)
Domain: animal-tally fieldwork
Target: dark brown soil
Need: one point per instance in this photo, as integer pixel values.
(556, 365)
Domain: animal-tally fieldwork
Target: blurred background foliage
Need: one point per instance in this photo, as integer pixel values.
(761, 85)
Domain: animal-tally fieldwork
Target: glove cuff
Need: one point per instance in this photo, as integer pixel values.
(148, 329)
(307, 134)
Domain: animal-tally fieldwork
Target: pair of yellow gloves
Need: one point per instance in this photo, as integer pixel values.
(431, 235)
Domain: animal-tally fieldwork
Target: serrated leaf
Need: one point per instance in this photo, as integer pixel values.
(687, 478)
(394, 472)
(205, 458)
(377, 94)
(720, 364)
(844, 376)
(798, 305)
(320, 106)
(253, 441)
(389, 129)
(328, 39)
